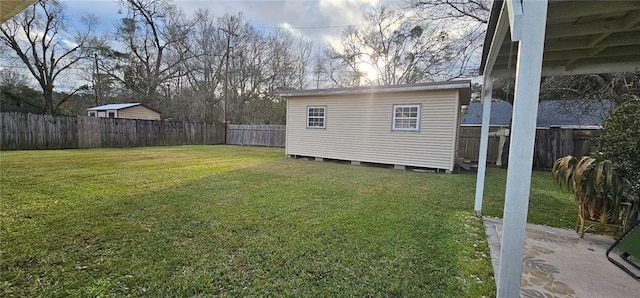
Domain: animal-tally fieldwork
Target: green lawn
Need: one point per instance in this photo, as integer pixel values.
(244, 221)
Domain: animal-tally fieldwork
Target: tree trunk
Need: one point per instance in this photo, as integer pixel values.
(47, 94)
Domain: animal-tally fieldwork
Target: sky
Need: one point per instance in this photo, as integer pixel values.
(319, 21)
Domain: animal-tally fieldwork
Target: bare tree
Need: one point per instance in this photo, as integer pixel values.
(261, 65)
(474, 11)
(40, 40)
(396, 48)
(154, 33)
(203, 71)
(330, 71)
(465, 21)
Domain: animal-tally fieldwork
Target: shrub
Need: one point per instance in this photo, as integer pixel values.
(621, 142)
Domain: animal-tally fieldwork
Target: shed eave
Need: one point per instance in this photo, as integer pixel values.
(462, 84)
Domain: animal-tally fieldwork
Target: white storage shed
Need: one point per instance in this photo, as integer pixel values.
(402, 125)
(134, 110)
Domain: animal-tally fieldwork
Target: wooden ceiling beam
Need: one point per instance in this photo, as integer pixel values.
(587, 53)
(629, 21)
(615, 40)
(571, 30)
(561, 70)
(568, 10)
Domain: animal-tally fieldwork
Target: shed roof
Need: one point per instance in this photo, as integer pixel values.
(500, 113)
(463, 85)
(114, 106)
(119, 106)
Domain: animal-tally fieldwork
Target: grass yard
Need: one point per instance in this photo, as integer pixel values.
(244, 221)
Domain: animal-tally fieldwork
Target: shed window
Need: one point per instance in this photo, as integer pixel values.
(92, 114)
(406, 117)
(112, 114)
(316, 117)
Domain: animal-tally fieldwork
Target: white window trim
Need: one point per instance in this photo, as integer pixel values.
(324, 117)
(394, 118)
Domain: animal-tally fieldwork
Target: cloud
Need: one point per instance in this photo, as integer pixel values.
(319, 21)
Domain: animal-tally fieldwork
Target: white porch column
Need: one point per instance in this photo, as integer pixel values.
(527, 89)
(487, 90)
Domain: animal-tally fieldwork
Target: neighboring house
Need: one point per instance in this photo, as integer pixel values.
(500, 114)
(562, 113)
(124, 110)
(583, 116)
(403, 125)
(573, 113)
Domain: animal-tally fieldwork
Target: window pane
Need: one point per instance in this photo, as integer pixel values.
(406, 117)
(315, 117)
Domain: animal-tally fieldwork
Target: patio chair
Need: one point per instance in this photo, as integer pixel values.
(629, 246)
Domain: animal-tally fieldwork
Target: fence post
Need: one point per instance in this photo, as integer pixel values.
(268, 136)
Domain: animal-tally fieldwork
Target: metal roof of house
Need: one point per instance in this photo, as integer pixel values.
(572, 112)
(565, 113)
(114, 106)
(581, 37)
(500, 114)
(463, 85)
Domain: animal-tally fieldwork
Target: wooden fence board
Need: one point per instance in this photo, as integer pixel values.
(256, 135)
(469, 144)
(30, 131)
(550, 144)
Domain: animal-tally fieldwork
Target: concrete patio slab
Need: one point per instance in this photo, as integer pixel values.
(557, 263)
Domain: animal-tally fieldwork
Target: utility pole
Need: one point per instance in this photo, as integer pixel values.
(230, 46)
(226, 78)
(96, 80)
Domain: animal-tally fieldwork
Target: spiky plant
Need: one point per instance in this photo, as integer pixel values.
(593, 180)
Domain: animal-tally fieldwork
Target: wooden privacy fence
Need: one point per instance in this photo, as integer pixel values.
(556, 142)
(30, 131)
(550, 144)
(256, 135)
(469, 144)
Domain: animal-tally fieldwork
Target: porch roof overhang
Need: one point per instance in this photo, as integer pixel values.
(9, 8)
(581, 37)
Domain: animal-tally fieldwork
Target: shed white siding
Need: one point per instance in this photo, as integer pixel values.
(139, 112)
(359, 128)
